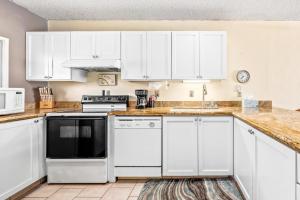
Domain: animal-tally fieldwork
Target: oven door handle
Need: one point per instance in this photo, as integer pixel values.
(75, 118)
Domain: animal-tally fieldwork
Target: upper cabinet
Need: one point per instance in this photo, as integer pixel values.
(95, 45)
(133, 55)
(199, 55)
(185, 55)
(45, 54)
(213, 55)
(37, 62)
(146, 55)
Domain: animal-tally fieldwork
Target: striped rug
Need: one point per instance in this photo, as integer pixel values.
(190, 189)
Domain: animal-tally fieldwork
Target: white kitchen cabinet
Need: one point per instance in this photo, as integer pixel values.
(199, 55)
(146, 55)
(244, 158)
(82, 45)
(45, 54)
(158, 55)
(59, 53)
(185, 55)
(275, 170)
(215, 146)
(87, 45)
(40, 129)
(298, 192)
(133, 55)
(264, 168)
(37, 60)
(20, 160)
(108, 45)
(180, 154)
(213, 55)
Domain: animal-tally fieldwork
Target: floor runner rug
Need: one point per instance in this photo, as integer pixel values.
(190, 189)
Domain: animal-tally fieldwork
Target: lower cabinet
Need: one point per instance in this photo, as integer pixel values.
(264, 168)
(275, 170)
(180, 148)
(197, 146)
(21, 161)
(244, 158)
(215, 146)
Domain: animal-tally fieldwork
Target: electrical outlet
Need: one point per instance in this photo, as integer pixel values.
(191, 93)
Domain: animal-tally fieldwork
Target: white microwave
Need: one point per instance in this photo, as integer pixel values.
(12, 100)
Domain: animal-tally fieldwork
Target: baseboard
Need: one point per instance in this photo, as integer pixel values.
(21, 194)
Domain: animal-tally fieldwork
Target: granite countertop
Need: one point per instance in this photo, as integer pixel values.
(33, 113)
(281, 124)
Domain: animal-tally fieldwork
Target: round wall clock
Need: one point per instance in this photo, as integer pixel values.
(243, 76)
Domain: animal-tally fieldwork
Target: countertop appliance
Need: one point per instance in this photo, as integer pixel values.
(137, 146)
(77, 142)
(12, 100)
(141, 96)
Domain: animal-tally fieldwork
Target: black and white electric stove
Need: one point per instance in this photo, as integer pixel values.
(77, 142)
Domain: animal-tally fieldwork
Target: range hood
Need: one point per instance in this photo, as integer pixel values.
(98, 65)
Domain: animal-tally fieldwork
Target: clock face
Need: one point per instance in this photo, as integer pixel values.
(243, 76)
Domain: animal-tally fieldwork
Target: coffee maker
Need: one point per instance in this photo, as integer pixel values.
(141, 101)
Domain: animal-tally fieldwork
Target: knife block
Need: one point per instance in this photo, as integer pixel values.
(47, 102)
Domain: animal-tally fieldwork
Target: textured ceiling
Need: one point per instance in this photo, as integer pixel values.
(164, 9)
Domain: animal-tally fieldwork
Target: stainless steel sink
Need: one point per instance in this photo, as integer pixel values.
(194, 109)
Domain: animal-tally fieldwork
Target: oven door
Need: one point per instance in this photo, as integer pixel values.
(76, 137)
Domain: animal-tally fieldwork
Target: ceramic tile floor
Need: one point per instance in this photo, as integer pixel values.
(121, 190)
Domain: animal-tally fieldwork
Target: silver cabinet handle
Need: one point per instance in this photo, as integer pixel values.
(196, 119)
(46, 76)
(36, 121)
(199, 119)
(251, 131)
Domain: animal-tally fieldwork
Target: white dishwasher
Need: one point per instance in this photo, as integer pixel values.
(137, 146)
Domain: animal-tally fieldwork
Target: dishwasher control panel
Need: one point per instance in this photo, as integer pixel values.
(137, 122)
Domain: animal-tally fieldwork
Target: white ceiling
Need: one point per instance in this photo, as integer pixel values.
(164, 9)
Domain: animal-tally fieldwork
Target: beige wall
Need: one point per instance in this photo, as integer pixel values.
(269, 50)
(14, 22)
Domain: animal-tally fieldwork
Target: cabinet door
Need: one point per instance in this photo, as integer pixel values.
(107, 45)
(185, 55)
(82, 45)
(213, 54)
(133, 55)
(60, 52)
(244, 158)
(18, 156)
(37, 56)
(275, 170)
(158, 55)
(40, 129)
(215, 144)
(180, 146)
